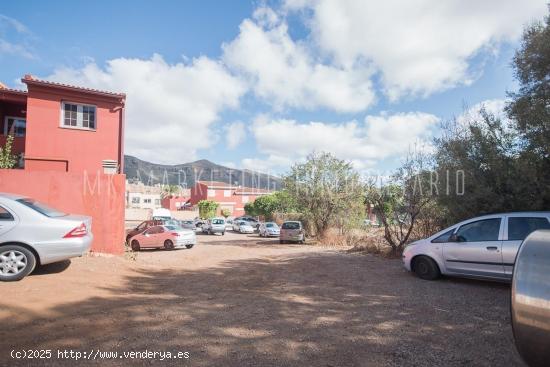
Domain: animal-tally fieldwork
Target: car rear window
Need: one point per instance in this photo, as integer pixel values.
(41, 208)
(521, 227)
(269, 225)
(217, 221)
(291, 225)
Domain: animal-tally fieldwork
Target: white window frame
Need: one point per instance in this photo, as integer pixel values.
(79, 116)
(14, 118)
(211, 193)
(226, 193)
(245, 199)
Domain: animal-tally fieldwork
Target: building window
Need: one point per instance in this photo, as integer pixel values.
(15, 125)
(78, 116)
(245, 199)
(211, 193)
(135, 200)
(147, 201)
(157, 201)
(226, 193)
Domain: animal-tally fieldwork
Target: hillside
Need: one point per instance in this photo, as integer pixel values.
(188, 173)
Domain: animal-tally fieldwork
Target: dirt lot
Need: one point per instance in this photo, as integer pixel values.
(243, 301)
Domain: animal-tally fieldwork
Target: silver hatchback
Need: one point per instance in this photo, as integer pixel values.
(483, 247)
(292, 231)
(32, 233)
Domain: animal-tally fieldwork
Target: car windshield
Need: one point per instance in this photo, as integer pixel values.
(271, 225)
(217, 221)
(291, 225)
(243, 223)
(41, 208)
(172, 228)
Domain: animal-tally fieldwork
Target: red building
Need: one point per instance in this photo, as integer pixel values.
(70, 140)
(180, 201)
(230, 197)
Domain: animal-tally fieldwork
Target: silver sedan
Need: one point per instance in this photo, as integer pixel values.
(32, 233)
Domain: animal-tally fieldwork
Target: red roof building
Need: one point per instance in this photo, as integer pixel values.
(230, 197)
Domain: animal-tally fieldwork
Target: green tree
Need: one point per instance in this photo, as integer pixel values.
(403, 200)
(324, 189)
(478, 169)
(530, 110)
(170, 190)
(7, 159)
(225, 212)
(207, 208)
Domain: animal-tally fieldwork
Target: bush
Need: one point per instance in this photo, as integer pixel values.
(207, 209)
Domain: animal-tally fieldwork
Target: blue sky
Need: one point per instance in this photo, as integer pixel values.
(261, 84)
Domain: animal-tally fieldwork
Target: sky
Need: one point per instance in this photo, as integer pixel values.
(262, 84)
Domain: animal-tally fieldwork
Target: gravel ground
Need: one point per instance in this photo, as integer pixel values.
(239, 300)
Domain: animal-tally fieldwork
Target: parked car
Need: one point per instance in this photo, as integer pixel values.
(530, 299)
(187, 224)
(143, 226)
(250, 220)
(483, 247)
(166, 236)
(33, 233)
(269, 229)
(242, 226)
(292, 231)
(214, 225)
(229, 223)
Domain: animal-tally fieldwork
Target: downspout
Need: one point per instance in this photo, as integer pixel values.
(121, 138)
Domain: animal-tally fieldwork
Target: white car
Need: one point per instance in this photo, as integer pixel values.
(31, 234)
(483, 247)
(269, 229)
(242, 227)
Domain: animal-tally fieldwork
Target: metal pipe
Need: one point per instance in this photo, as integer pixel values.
(530, 299)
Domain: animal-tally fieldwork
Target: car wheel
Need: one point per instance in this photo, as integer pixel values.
(223, 233)
(168, 245)
(135, 245)
(281, 242)
(16, 262)
(426, 268)
(189, 246)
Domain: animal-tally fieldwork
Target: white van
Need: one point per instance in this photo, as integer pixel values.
(161, 214)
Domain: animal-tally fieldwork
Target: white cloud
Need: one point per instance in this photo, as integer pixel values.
(492, 106)
(14, 38)
(235, 133)
(419, 46)
(170, 107)
(378, 137)
(286, 73)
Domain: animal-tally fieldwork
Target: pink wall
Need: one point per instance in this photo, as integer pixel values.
(99, 196)
(84, 149)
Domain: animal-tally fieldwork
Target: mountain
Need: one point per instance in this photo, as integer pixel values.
(188, 173)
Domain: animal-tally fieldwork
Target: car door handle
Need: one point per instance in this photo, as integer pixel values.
(492, 248)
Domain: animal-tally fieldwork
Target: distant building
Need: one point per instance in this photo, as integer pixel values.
(230, 197)
(179, 201)
(140, 196)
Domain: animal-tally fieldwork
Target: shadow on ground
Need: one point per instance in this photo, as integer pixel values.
(318, 309)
